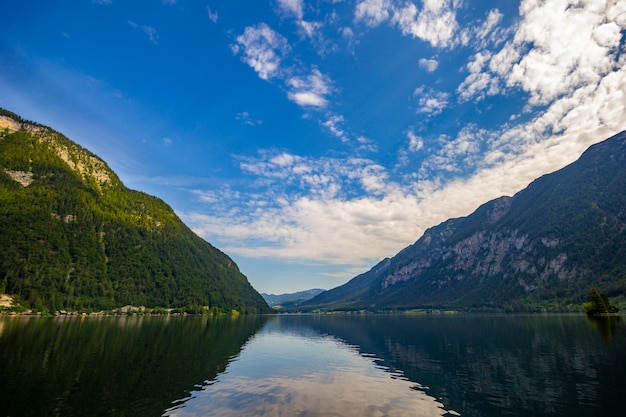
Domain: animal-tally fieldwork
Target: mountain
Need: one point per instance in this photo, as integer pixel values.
(542, 249)
(291, 298)
(74, 237)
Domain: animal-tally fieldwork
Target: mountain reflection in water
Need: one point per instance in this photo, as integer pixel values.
(288, 370)
(373, 365)
(328, 365)
(111, 366)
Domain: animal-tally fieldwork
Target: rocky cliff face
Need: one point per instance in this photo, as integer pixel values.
(542, 248)
(91, 168)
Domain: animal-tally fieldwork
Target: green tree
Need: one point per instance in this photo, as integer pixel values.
(599, 304)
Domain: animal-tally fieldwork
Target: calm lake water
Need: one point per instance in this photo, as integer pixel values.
(374, 365)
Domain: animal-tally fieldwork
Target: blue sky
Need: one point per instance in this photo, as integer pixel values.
(311, 139)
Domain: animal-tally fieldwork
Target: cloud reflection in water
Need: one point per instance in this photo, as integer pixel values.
(298, 373)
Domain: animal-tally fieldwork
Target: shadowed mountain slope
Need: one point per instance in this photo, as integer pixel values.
(540, 249)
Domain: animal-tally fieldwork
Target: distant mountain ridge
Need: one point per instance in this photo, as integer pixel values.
(74, 237)
(300, 296)
(541, 249)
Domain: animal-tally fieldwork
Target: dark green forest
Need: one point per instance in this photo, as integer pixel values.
(74, 237)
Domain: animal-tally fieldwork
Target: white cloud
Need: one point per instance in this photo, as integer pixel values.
(152, 34)
(493, 19)
(415, 142)
(459, 155)
(263, 49)
(607, 35)
(486, 34)
(333, 124)
(307, 99)
(372, 12)
(295, 9)
(292, 8)
(430, 101)
(309, 28)
(435, 23)
(322, 222)
(310, 91)
(479, 84)
(206, 196)
(148, 30)
(557, 49)
(430, 65)
(247, 119)
(213, 17)
(341, 207)
(366, 144)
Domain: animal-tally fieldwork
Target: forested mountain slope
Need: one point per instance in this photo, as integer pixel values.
(543, 248)
(73, 236)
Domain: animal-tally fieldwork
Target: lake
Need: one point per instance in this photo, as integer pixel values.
(312, 365)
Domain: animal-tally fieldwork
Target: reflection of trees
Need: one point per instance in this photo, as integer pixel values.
(606, 325)
(496, 366)
(129, 366)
